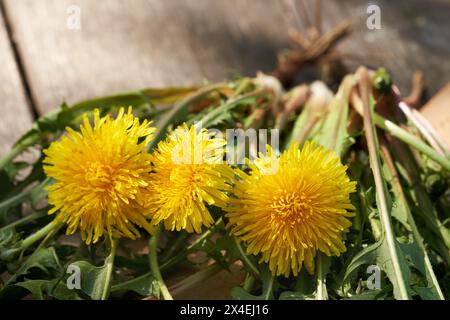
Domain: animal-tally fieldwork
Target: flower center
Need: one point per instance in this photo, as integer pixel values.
(291, 207)
(100, 176)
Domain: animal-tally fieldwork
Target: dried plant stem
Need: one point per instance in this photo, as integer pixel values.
(293, 60)
(417, 86)
(318, 15)
(375, 164)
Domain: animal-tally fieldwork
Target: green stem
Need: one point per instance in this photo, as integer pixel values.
(249, 282)
(109, 262)
(174, 247)
(23, 220)
(154, 267)
(15, 151)
(321, 290)
(167, 264)
(243, 85)
(375, 164)
(205, 235)
(22, 196)
(126, 284)
(404, 136)
(250, 265)
(27, 242)
(47, 234)
(408, 138)
(227, 107)
(268, 290)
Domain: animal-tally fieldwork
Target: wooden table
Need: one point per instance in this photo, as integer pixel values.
(128, 44)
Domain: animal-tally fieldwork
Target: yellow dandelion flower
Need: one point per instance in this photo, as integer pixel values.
(290, 214)
(189, 173)
(101, 176)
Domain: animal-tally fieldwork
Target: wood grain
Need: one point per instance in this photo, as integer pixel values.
(130, 44)
(16, 116)
(414, 36)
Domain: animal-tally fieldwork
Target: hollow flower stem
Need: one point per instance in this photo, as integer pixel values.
(109, 262)
(154, 266)
(27, 242)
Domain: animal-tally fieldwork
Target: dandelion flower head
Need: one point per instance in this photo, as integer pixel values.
(189, 174)
(101, 176)
(301, 208)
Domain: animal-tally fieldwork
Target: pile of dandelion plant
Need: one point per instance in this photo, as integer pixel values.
(129, 193)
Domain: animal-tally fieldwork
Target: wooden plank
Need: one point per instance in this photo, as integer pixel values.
(414, 36)
(127, 44)
(136, 43)
(437, 112)
(16, 116)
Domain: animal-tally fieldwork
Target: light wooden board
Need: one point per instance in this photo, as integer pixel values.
(437, 112)
(15, 116)
(131, 44)
(414, 35)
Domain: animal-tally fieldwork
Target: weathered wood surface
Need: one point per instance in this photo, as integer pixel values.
(415, 35)
(131, 44)
(15, 116)
(127, 44)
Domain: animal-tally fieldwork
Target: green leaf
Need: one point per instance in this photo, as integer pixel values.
(368, 295)
(416, 258)
(9, 244)
(227, 243)
(36, 287)
(44, 259)
(145, 285)
(92, 279)
(389, 256)
(290, 295)
(221, 114)
(96, 281)
(268, 282)
(36, 193)
(333, 132)
(6, 183)
(8, 239)
(409, 255)
(40, 289)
